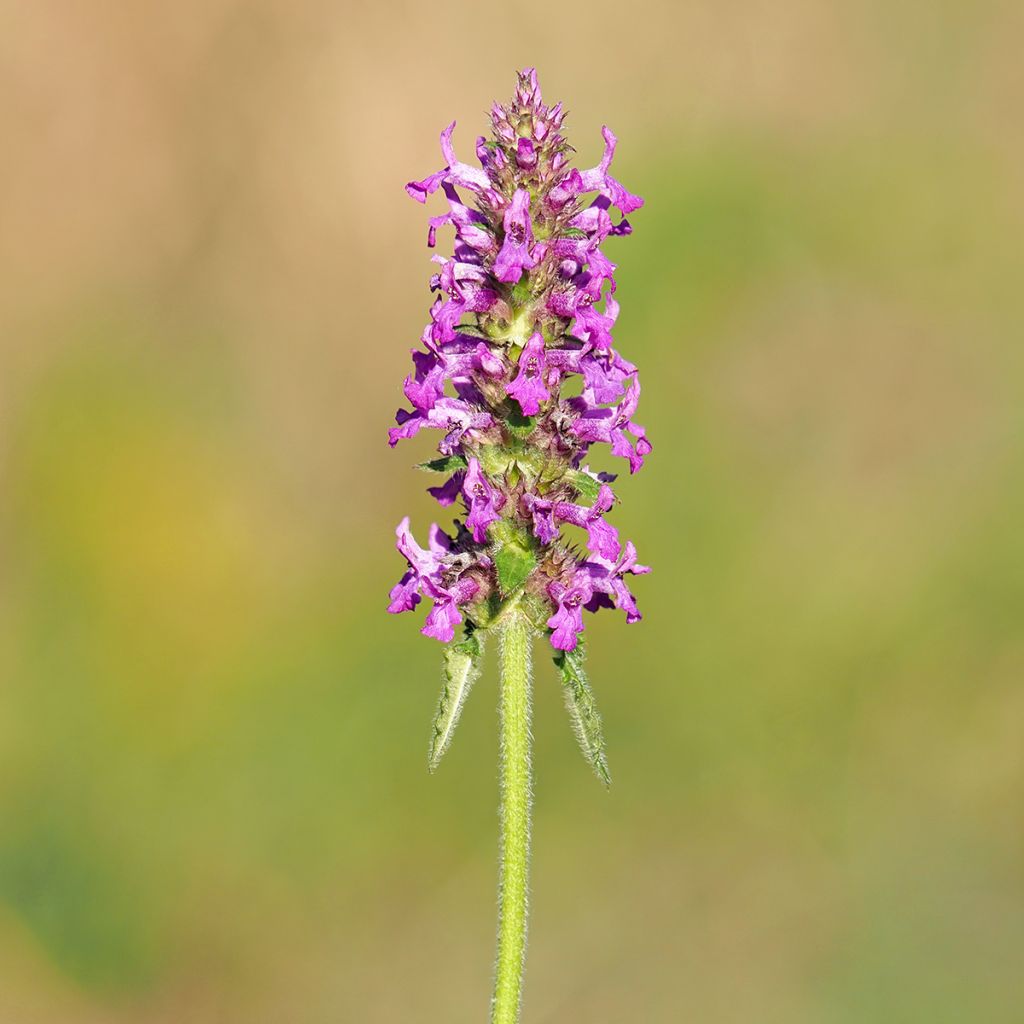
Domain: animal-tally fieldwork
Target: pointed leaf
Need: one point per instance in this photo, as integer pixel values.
(518, 425)
(445, 464)
(583, 714)
(522, 293)
(587, 487)
(461, 670)
(514, 564)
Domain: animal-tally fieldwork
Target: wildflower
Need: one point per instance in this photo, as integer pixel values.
(519, 373)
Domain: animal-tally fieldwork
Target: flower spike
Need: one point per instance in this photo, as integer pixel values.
(526, 303)
(518, 371)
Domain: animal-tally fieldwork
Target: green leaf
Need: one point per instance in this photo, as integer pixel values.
(461, 670)
(514, 564)
(522, 293)
(582, 708)
(446, 464)
(518, 425)
(573, 233)
(586, 486)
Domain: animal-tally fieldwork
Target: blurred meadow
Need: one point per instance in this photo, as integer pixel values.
(213, 798)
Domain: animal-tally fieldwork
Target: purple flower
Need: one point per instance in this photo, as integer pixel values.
(605, 373)
(426, 385)
(482, 500)
(577, 304)
(613, 426)
(606, 576)
(450, 414)
(514, 256)
(422, 564)
(448, 492)
(471, 227)
(528, 388)
(445, 616)
(465, 284)
(597, 583)
(599, 180)
(602, 537)
(426, 577)
(456, 173)
(526, 154)
(567, 622)
(526, 263)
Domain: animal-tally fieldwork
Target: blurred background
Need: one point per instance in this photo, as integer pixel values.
(213, 798)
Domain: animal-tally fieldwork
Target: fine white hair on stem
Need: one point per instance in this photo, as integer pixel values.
(516, 801)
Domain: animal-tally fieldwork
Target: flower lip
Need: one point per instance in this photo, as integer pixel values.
(514, 256)
(526, 154)
(528, 389)
(482, 500)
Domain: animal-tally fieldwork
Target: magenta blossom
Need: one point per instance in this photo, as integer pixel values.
(602, 537)
(427, 577)
(482, 500)
(596, 584)
(514, 256)
(528, 388)
(614, 426)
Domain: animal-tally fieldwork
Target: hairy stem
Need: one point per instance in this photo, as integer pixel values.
(516, 639)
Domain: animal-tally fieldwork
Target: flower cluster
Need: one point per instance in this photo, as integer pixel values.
(516, 321)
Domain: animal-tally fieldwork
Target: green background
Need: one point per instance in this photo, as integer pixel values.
(213, 798)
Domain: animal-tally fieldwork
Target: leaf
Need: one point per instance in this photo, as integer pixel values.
(461, 670)
(446, 464)
(522, 293)
(514, 563)
(586, 486)
(518, 425)
(583, 714)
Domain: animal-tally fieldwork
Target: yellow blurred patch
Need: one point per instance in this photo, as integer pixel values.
(141, 541)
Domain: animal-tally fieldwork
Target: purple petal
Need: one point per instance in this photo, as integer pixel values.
(542, 511)
(567, 622)
(514, 256)
(602, 538)
(482, 501)
(419, 190)
(526, 155)
(528, 388)
(442, 620)
(447, 493)
(404, 595)
(409, 424)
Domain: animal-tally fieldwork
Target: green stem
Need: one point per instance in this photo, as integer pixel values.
(516, 639)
